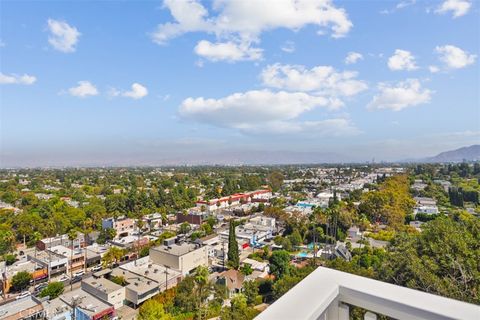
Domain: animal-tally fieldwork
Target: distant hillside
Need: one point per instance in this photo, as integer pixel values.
(471, 153)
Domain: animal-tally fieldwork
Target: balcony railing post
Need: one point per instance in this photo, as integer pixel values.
(343, 312)
(370, 316)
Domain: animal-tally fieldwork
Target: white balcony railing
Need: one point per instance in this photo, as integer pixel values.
(325, 293)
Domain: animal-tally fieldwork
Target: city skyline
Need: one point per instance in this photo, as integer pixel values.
(152, 83)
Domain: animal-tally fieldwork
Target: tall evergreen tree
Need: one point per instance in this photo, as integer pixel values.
(233, 257)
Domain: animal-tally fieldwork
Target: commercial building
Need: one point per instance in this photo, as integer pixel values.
(164, 276)
(55, 263)
(28, 308)
(62, 240)
(76, 257)
(179, 256)
(105, 290)
(86, 306)
(138, 288)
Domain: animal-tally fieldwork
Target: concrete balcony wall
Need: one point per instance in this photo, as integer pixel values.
(325, 293)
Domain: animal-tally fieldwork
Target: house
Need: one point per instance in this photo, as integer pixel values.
(425, 206)
(122, 225)
(233, 280)
(354, 233)
(180, 256)
(152, 222)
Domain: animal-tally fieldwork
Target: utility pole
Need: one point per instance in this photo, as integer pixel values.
(166, 278)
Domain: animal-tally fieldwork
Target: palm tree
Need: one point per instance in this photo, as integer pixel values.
(72, 235)
(140, 224)
(114, 254)
(202, 287)
(35, 237)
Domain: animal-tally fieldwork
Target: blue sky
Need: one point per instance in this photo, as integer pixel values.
(152, 82)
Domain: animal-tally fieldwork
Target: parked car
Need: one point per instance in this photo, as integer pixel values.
(64, 277)
(76, 279)
(96, 268)
(79, 273)
(22, 295)
(40, 287)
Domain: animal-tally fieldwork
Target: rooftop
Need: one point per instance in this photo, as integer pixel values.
(86, 302)
(177, 249)
(150, 270)
(136, 282)
(102, 284)
(18, 306)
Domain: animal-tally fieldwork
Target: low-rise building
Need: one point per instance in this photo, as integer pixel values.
(164, 276)
(138, 288)
(28, 308)
(105, 290)
(180, 256)
(76, 257)
(55, 263)
(122, 225)
(86, 306)
(62, 240)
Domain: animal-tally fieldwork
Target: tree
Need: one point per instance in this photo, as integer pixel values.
(233, 256)
(442, 259)
(7, 240)
(250, 290)
(153, 310)
(21, 280)
(279, 263)
(113, 255)
(246, 269)
(72, 235)
(238, 309)
(275, 180)
(185, 228)
(53, 290)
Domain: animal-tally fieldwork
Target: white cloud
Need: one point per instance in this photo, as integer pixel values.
(454, 57)
(402, 60)
(228, 51)
(457, 7)
(17, 79)
(63, 37)
(321, 80)
(404, 94)
(265, 111)
(288, 47)
(242, 22)
(84, 89)
(137, 92)
(433, 69)
(353, 57)
(404, 4)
